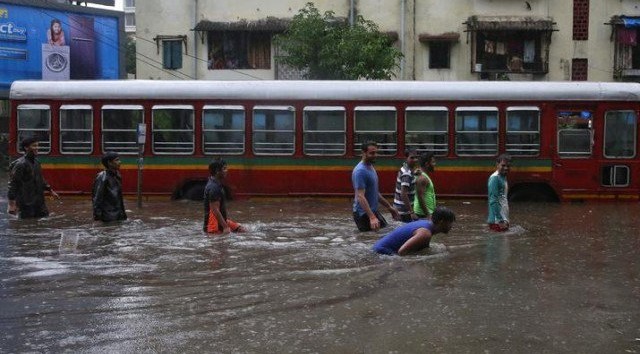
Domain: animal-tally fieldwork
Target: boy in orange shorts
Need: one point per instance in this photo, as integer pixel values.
(215, 199)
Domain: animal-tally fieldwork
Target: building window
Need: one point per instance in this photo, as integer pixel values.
(34, 120)
(76, 129)
(223, 129)
(172, 54)
(173, 129)
(119, 128)
(427, 129)
(627, 50)
(477, 131)
(575, 135)
(523, 131)
(324, 130)
(239, 50)
(580, 20)
(439, 55)
(502, 45)
(274, 130)
(129, 19)
(376, 124)
(579, 69)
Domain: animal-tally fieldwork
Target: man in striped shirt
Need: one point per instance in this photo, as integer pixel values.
(406, 186)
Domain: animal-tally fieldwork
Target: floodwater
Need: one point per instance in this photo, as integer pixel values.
(565, 279)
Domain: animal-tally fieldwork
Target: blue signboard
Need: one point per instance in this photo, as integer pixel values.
(39, 43)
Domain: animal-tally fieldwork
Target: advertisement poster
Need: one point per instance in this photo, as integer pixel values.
(38, 43)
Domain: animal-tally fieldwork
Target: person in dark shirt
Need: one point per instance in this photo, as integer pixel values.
(27, 185)
(215, 200)
(108, 204)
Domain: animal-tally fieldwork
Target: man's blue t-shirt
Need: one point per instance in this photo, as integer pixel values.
(364, 176)
(391, 243)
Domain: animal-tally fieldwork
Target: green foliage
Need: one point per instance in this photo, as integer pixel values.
(327, 48)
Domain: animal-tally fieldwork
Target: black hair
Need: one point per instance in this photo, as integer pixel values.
(27, 141)
(442, 214)
(109, 156)
(216, 165)
(426, 157)
(366, 144)
(410, 150)
(503, 157)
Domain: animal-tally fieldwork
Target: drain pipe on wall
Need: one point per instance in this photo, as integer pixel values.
(352, 10)
(195, 42)
(402, 39)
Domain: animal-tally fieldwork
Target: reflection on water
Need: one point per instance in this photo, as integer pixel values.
(564, 279)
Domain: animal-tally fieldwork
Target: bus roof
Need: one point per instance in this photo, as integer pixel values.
(326, 90)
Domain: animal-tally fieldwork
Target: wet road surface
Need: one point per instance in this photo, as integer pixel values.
(565, 279)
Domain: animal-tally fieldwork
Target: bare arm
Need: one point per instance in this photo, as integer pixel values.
(421, 187)
(214, 206)
(404, 195)
(362, 200)
(420, 239)
(392, 210)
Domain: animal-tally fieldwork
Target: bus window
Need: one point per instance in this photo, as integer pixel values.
(620, 134)
(615, 176)
(173, 129)
(273, 130)
(119, 128)
(34, 120)
(376, 124)
(575, 136)
(223, 129)
(523, 131)
(477, 131)
(324, 130)
(76, 129)
(426, 129)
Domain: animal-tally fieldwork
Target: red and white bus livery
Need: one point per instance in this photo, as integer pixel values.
(569, 140)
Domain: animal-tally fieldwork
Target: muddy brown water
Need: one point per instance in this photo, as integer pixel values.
(564, 279)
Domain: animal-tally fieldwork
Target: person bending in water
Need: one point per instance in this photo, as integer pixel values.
(416, 235)
(215, 200)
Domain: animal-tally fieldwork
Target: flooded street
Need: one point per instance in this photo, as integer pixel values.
(564, 279)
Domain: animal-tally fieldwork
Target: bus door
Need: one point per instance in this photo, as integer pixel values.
(574, 169)
(618, 170)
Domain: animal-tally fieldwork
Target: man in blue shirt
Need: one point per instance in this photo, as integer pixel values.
(367, 195)
(415, 236)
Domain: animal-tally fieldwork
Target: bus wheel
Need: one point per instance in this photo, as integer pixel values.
(194, 192)
(533, 193)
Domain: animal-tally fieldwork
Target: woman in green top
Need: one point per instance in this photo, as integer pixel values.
(425, 201)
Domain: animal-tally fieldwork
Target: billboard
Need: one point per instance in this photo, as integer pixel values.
(60, 42)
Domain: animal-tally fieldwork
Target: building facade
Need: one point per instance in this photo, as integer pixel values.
(537, 40)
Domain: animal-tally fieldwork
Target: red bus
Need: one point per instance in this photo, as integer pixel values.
(569, 140)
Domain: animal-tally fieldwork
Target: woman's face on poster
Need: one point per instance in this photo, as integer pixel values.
(56, 28)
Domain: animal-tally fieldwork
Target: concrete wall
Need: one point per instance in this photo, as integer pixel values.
(168, 17)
